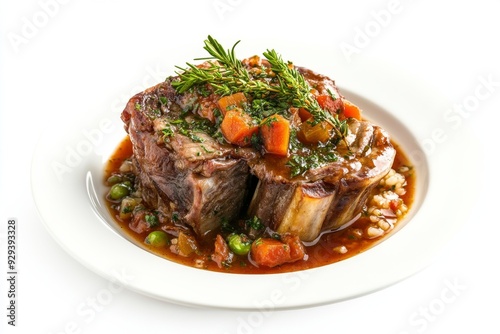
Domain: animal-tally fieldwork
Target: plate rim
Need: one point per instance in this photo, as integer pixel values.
(297, 294)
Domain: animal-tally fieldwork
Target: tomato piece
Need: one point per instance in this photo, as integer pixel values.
(221, 255)
(297, 250)
(327, 102)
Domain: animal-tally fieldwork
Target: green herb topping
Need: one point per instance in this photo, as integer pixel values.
(284, 84)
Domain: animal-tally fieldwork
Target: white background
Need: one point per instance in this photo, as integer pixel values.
(64, 59)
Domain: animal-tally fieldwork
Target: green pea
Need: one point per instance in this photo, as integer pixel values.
(239, 244)
(157, 239)
(118, 191)
(114, 179)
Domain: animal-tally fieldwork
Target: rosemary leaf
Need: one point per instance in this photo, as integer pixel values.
(227, 75)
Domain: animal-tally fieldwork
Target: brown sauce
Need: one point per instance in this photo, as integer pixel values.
(320, 254)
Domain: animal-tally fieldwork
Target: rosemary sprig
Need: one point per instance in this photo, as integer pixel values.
(226, 58)
(293, 84)
(228, 75)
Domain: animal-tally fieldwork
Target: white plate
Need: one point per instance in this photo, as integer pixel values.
(67, 174)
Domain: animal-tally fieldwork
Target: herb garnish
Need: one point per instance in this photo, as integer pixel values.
(228, 75)
(304, 159)
(190, 127)
(151, 219)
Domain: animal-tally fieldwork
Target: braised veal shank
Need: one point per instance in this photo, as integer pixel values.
(203, 181)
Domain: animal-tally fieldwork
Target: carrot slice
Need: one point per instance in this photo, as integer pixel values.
(351, 110)
(270, 252)
(231, 101)
(304, 114)
(238, 127)
(275, 133)
(326, 102)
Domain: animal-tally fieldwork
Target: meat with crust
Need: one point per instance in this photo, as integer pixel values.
(187, 173)
(191, 177)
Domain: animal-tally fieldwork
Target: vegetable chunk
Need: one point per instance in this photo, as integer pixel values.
(351, 110)
(275, 133)
(238, 127)
(269, 252)
(230, 102)
(312, 133)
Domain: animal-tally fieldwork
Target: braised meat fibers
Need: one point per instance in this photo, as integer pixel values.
(187, 171)
(327, 197)
(190, 177)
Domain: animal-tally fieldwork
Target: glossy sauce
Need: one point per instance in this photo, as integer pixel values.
(320, 254)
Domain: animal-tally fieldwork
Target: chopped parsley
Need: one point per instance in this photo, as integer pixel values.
(254, 223)
(191, 127)
(151, 219)
(302, 158)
